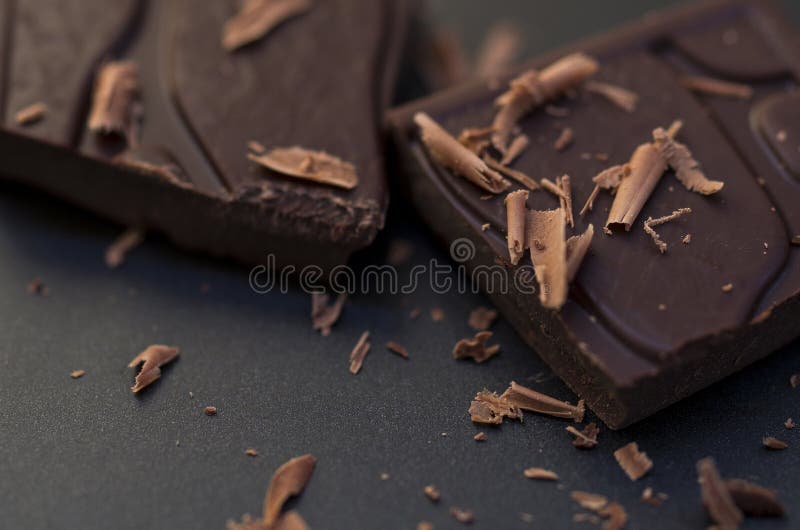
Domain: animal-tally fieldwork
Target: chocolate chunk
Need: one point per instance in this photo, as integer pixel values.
(603, 332)
(149, 118)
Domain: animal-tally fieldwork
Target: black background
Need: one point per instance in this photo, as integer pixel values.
(89, 454)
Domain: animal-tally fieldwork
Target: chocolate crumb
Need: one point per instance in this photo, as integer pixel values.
(475, 348)
(37, 287)
(635, 463)
(114, 100)
(621, 97)
(256, 18)
(480, 437)
(590, 501)
(565, 139)
(653, 499)
(462, 516)
(481, 318)
(517, 147)
(210, 411)
(773, 443)
(789, 423)
(77, 374)
(323, 314)
(486, 197)
(485, 227)
(585, 518)
(256, 147)
(397, 348)
(119, 249)
(754, 500)
(716, 498)
(359, 353)
(686, 239)
(585, 439)
(437, 314)
(432, 492)
(151, 359)
(31, 114)
(650, 223)
(538, 473)
(728, 287)
(316, 166)
(425, 525)
(616, 516)
(251, 452)
(716, 87)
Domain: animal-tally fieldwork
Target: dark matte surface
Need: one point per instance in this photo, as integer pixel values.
(89, 454)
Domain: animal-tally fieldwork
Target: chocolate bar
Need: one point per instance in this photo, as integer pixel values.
(235, 128)
(686, 280)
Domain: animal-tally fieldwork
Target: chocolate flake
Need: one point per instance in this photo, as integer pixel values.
(653, 499)
(585, 439)
(77, 374)
(118, 250)
(485, 227)
(773, 443)
(789, 423)
(481, 318)
(397, 348)
(288, 481)
(616, 516)
(256, 147)
(415, 313)
(256, 18)
(517, 216)
(30, 114)
(491, 409)
(538, 473)
(513, 174)
(499, 48)
(563, 182)
(251, 452)
(115, 92)
(480, 437)
(621, 97)
(686, 168)
(461, 515)
(716, 498)
(359, 353)
(590, 501)
(476, 139)
(451, 154)
(686, 239)
(437, 314)
(475, 348)
(425, 525)
(517, 147)
(635, 463)
(152, 359)
(754, 500)
(533, 88)
(650, 223)
(210, 411)
(316, 166)
(549, 257)
(564, 140)
(520, 397)
(432, 492)
(716, 87)
(323, 314)
(728, 287)
(608, 179)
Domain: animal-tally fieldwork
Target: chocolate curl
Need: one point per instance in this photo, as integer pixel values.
(517, 216)
(547, 241)
(647, 165)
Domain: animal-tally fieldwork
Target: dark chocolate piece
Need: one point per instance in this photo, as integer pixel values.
(640, 330)
(152, 107)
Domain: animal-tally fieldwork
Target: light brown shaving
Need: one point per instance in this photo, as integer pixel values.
(538, 473)
(397, 348)
(650, 223)
(513, 174)
(590, 501)
(489, 408)
(685, 166)
(127, 241)
(577, 247)
(564, 183)
(608, 179)
(476, 139)
(499, 48)
(635, 463)
(553, 188)
(257, 18)
(517, 147)
(528, 399)
(585, 439)
(359, 353)
(565, 139)
(546, 239)
(534, 88)
(716, 496)
(716, 87)
(316, 166)
(451, 154)
(113, 100)
(621, 97)
(647, 167)
(152, 359)
(754, 500)
(476, 348)
(517, 216)
(324, 314)
(30, 114)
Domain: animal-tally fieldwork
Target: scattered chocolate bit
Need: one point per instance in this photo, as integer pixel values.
(476, 139)
(397, 348)
(251, 452)
(432, 492)
(37, 286)
(447, 62)
(517, 218)
(633, 462)
(475, 348)
(585, 439)
(716, 498)
(437, 314)
(585, 518)
(520, 397)
(415, 313)
(686, 239)
(716, 87)
(77, 374)
(491, 409)
(728, 287)
(30, 114)
(552, 187)
(538, 473)
(480, 437)
(289, 480)
(451, 154)
(680, 159)
(113, 101)
(513, 174)
(533, 88)
(400, 251)
(485, 227)
(789, 423)
(481, 318)
(153, 358)
(499, 48)
(621, 97)
(424, 525)
(210, 411)
(127, 241)
(650, 223)
(316, 166)
(359, 352)
(517, 147)
(608, 179)
(549, 256)
(653, 499)
(616, 516)
(323, 314)
(754, 500)
(565, 200)
(462, 516)
(773, 443)
(590, 501)
(601, 157)
(564, 140)
(256, 18)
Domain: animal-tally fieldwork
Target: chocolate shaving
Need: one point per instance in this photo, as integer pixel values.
(789, 423)
(476, 348)
(359, 353)
(432, 492)
(77, 374)
(686, 239)
(517, 147)
(323, 314)
(608, 179)
(461, 515)
(728, 287)
(650, 223)
(115, 92)
(397, 348)
(476, 139)
(153, 358)
(499, 48)
(480, 437)
(685, 166)
(533, 88)
(316, 166)
(590, 501)
(773, 443)
(30, 114)
(517, 217)
(256, 18)
(564, 140)
(616, 516)
(210, 411)
(481, 318)
(633, 462)
(716, 498)
(451, 154)
(563, 182)
(754, 500)
(538, 473)
(585, 439)
(491, 409)
(553, 187)
(127, 241)
(251, 452)
(256, 147)
(716, 87)
(621, 97)
(513, 174)
(545, 234)
(524, 398)
(577, 247)
(653, 499)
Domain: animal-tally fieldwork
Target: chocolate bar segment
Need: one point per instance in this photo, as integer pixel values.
(169, 147)
(641, 329)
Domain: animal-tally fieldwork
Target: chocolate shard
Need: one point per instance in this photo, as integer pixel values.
(585, 439)
(476, 348)
(151, 359)
(754, 500)
(538, 473)
(590, 501)
(257, 18)
(115, 91)
(717, 87)
(399, 349)
(716, 497)
(491, 409)
(686, 168)
(31, 114)
(119, 249)
(316, 166)
(524, 398)
(773, 443)
(635, 463)
(359, 353)
(545, 232)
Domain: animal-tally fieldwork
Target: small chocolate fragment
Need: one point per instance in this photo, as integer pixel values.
(118, 250)
(491, 409)
(30, 114)
(480, 437)
(521, 397)
(621, 97)
(728, 287)
(650, 223)
(564, 140)
(585, 439)
(773, 443)
(716, 87)
(481, 318)
(517, 215)
(316, 166)
(538, 473)
(608, 179)
(152, 359)
(653, 499)
(513, 174)
(754, 500)
(475, 348)
(359, 353)
(77, 374)
(461, 515)
(115, 91)
(394, 347)
(590, 501)
(717, 499)
(789, 423)
(251, 452)
(437, 314)
(210, 411)
(517, 147)
(432, 492)
(615, 515)
(257, 18)
(323, 314)
(635, 463)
